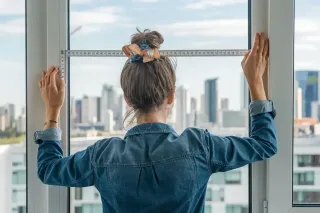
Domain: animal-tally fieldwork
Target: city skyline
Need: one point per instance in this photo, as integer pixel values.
(92, 16)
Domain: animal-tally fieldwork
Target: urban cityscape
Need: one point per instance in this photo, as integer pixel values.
(94, 117)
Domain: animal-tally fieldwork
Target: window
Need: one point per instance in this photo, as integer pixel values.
(78, 209)
(308, 160)
(97, 111)
(217, 179)
(306, 105)
(209, 195)
(236, 209)
(22, 209)
(208, 209)
(92, 208)
(18, 195)
(19, 177)
(12, 102)
(306, 196)
(304, 178)
(78, 193)
(233, 177)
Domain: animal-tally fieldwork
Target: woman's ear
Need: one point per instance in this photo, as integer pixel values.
(171, 96)
(128, 103)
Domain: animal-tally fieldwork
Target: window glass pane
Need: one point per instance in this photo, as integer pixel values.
(306, 182)
(217, 178)
(12, 107)
(208, 209)
(94, 84)
(209, 195)
(188, 24)
(233, 177)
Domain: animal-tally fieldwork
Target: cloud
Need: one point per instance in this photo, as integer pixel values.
(202, 4)
(12, 7)
(306, 26)
(97, 19)
(305, 47)
(310, 38)
(14, 26)
(222, 27)
(304, 65)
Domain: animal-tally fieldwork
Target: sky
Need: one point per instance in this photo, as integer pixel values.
(185, 24)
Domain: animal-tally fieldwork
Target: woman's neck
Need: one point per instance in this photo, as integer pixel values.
(152, 117)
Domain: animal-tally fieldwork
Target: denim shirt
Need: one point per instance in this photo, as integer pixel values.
(154, 169)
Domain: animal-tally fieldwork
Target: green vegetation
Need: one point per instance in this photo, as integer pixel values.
(11, 136)
(12, 140)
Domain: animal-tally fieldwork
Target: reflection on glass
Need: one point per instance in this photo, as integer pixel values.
(212, 101)
(191, 24)
(12, 107)
(306, 163)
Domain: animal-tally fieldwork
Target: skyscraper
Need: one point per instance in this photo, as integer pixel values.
(7, 115)
(211, 100)
(78, 111)
(309, 84)
(183, 106)
(244, 90)
(224, 103)
(108, 101)
(89, 109)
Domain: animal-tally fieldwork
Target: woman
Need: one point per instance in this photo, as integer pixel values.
(153, 169)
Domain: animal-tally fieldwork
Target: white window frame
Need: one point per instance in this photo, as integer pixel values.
(46, 35)
(281, 32)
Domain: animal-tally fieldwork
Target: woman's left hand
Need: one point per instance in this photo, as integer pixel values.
(52, 89)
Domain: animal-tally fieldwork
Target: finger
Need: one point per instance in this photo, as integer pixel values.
(261, 43)
(44, 83)
(256, 43)
(53, 75)
(40, 84)
(266, 49)
(49, 74)
(51, 69)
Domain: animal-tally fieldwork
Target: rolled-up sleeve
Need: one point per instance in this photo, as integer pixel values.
(231, 152)
(74, 171)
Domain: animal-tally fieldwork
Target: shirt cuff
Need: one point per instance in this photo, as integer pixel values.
(261, 106)
(51, 134)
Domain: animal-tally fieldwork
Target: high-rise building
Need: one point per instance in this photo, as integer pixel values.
(78, 111)
(233, 119)
(211, 100)
(194, 106)
(7, 116)
(120, 112)
(309, 82)
(108, 101)
(108, 121)
(89, 109)
(224, 103)
(183, 107)
(22, 121)
(244, 92)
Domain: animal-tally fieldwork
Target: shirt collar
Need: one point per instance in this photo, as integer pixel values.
(150, 128)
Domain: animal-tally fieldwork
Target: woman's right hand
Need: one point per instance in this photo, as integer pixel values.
(254, 65)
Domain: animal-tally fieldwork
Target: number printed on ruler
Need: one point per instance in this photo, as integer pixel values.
(170, 53)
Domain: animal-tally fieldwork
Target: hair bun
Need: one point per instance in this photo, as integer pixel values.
(153, 38)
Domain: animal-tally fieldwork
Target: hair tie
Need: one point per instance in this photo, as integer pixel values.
(142, 53)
